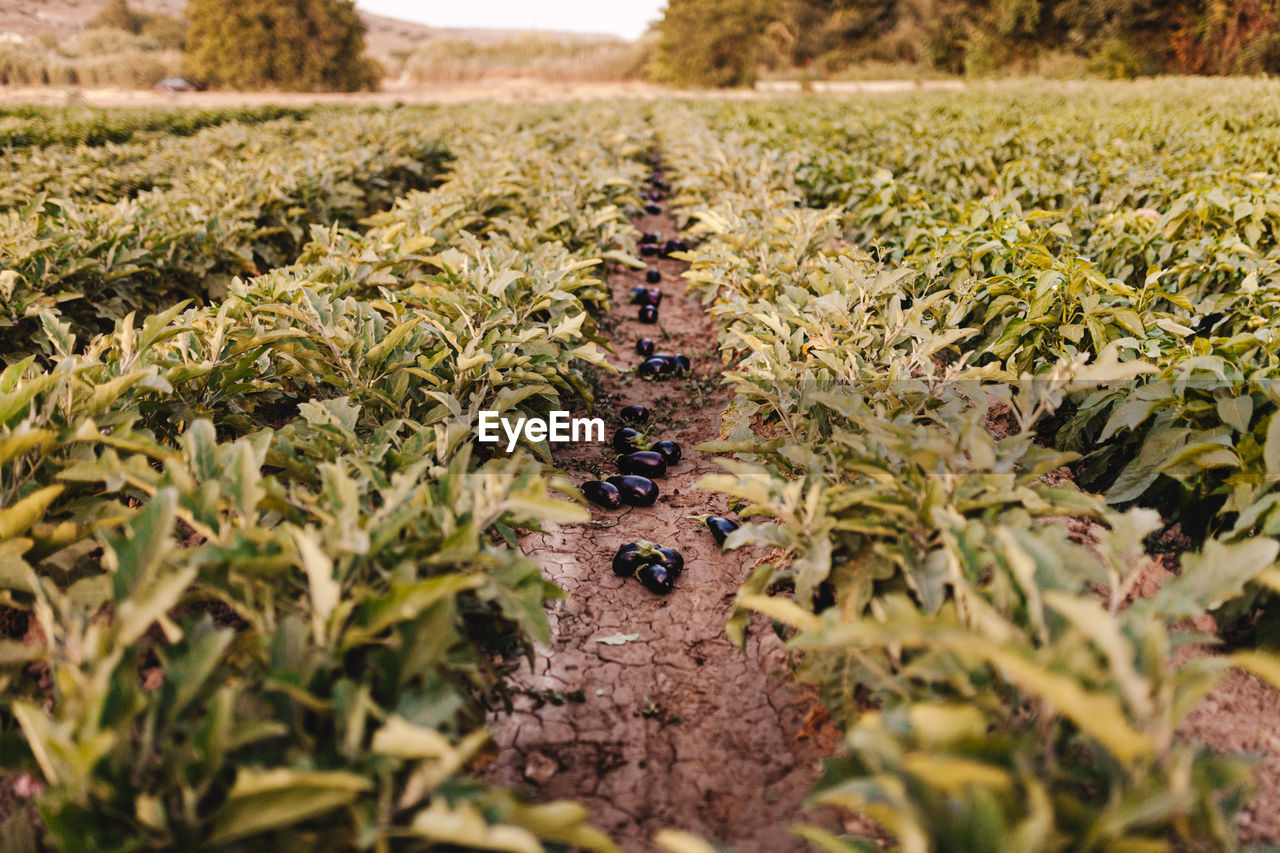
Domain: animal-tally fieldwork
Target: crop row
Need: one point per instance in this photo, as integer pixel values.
(108, 173)
(965, 608)
(22, 127)
(269, 578)
(92, 263)
(1184, 283)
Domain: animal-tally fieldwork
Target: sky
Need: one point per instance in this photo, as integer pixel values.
(626, 18)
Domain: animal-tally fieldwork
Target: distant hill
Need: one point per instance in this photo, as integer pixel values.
(29, 19)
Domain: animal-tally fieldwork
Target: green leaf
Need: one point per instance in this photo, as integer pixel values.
(265, 800)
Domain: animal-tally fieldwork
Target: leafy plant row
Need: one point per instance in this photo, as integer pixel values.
(1157, 239)
(108, 173)
(270, 583)
(970, 620)
(95, 262)
(22, 127)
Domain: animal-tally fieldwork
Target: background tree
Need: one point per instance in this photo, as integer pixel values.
(299, 45)
(116, 15)
(711, 42)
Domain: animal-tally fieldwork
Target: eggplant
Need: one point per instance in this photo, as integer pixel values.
(675, 246)
(648, 314)
(668, 450)
(628, 440)
(644, 347)
(605, 494)
(673, 561)
(651, 237)
(720, 528)
(682, 363)
(670, 366)
(654, 566)
(635, 490)
(646, 463)
(652, 275)
(628, 560)
(656, 579)
(655, 195)
(648, 250)
(654, 295)
(634, 414)
(639, 295)
(652, 209)
(652, 368)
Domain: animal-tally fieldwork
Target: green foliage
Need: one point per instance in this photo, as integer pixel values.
(710, 42)
(276, 587)
(294, 45)
(1022, 699)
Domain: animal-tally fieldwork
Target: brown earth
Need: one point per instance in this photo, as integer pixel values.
(679, 729)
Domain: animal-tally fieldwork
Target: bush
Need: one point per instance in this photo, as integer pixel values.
(297, 45)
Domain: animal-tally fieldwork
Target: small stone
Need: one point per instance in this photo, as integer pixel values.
(539, 769)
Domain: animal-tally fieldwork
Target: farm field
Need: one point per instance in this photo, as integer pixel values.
(984, 382)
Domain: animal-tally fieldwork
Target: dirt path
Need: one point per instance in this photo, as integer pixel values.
(678, 729)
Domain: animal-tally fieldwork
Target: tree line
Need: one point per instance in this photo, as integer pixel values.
(725, 42)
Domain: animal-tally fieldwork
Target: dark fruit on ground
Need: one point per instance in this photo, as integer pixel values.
(652, 275)
(655, 296)
(720, 528)
(628, 440)
(646, 463)
(635, 414)
(651, 237)
(604, 494)
(653, 367)
(675, 246)
(682, 363)
(668, 450)
(648, 314)
(656, 579)
(644, 347)
(635, 490)
(674, 562)
(652, 209)
(639, 295)
(648, 250)
(629, 560)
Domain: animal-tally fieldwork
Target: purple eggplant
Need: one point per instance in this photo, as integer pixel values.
(654, 566)
(644, 347)
(673, 561)
(652, 368)
(648, 314)
(656, 579)
(628, 440)
(634, 414)
(668, 450)
(651, 237)
(646, 463)
(654, 296)
(639, 295)
(652, 275)
(675, 246)
(720, 528)
(604, 494)
(629, 560)
(649, 250)
(670, 361)
(682, 363)
(652, 209)
(635, 490)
